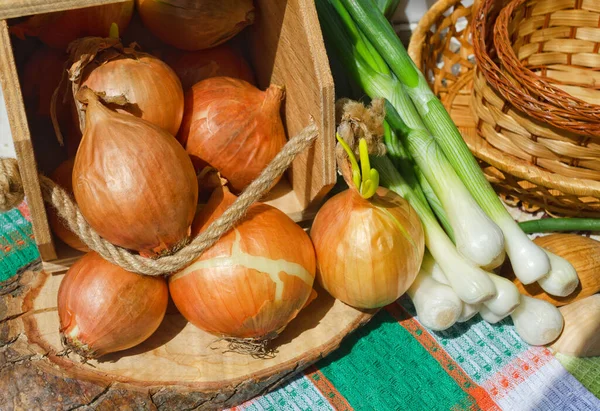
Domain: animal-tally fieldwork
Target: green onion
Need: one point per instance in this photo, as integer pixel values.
(387, 7)
(529, 261)
(476, 236)
(365, 178)
(470, 282)
(547, 225)
(409, 171)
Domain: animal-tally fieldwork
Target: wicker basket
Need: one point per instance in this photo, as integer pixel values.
(522, 156)
(566, 117)
(551, 48)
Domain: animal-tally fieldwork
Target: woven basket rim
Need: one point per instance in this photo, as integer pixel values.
(519, 97)
(482, 149)
(536, 84)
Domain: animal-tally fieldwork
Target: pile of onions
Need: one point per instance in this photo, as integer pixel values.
(103, 308)
(232, 126)
(195, 24)
(60, 28)
(151, 89)
(195, 66)
(253, 281)
(134, 183)
(368, 250)
(63, 177)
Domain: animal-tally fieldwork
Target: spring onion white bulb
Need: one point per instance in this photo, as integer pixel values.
(529, 261)
(507, 296)
(562, 279)
(476, 236)
(470, 283)
(489, 316)
(438, 307)
(469, 310)
(497, 262)
(537, 322)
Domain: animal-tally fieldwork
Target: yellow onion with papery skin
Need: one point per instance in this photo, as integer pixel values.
(368, 250)
(195, 24)
(150, 87)
(194, 66)
(104, 308)
(133, 182)
(253, 281)
(232, 126)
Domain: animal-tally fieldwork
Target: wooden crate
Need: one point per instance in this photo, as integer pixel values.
(286, 48)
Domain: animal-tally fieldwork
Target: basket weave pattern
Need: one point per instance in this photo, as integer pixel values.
(551, 48)
(564, 117)
(527, 161)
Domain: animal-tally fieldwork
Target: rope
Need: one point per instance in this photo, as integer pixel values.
(69, 212)
(11, 186)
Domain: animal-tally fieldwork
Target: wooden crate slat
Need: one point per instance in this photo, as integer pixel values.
(288, 50)
(19, 8)
(23, 147)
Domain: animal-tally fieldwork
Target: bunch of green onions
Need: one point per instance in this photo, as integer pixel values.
(467, 228)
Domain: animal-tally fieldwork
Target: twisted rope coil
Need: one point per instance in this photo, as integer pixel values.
(11, 194)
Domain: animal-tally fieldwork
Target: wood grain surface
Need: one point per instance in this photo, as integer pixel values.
(23, 146)
(19, 8)
(179, 367)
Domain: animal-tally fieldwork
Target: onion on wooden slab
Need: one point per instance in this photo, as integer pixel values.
(584, 255)
(253, 281)
(134, 183)
(194, 66)
(581, 335)
(232, 126)
(104, 309)
(368, 250)
(149, 87)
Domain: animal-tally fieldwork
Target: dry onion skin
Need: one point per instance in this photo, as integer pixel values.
(60, 28)
(103, 308)
(232, 126)
(368, 250)
(195, 24)
(63, 176)
(253, 281)
(150, 87)
(221, 61)
(134, 183)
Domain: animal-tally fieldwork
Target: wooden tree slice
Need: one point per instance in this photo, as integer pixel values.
(179, 367)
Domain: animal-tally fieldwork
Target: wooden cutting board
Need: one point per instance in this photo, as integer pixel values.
(179, 367)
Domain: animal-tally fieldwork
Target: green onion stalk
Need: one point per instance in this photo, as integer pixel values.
(560, 225)
(528, 260)
(387, 7)
(475, 234)
(471, 283)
